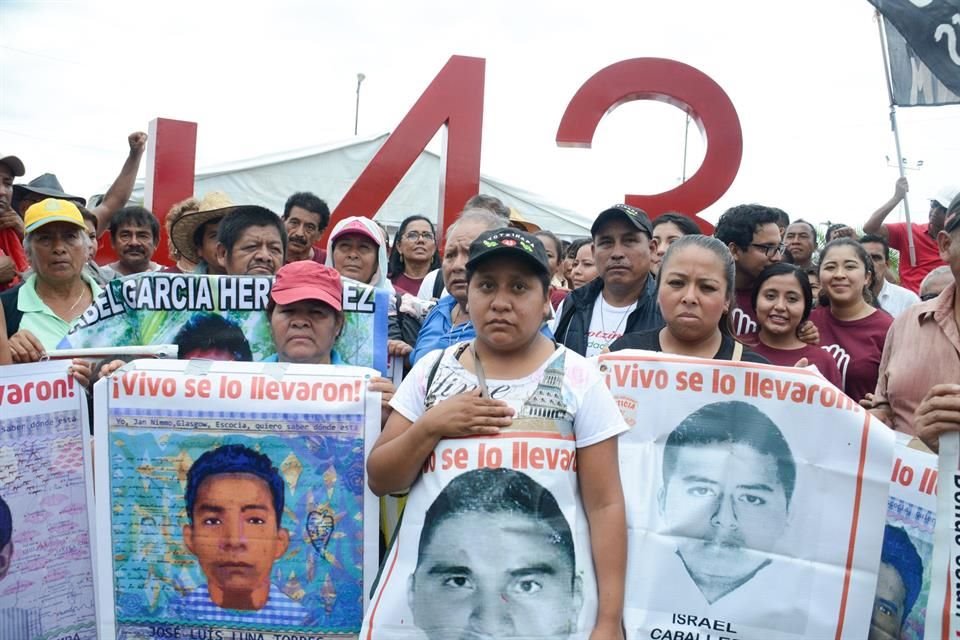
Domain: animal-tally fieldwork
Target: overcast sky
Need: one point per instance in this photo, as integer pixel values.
(261, 77)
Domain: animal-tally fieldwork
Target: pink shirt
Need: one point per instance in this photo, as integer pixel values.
(928, 254)
(856, 346)
(922, 349)
(816, 356)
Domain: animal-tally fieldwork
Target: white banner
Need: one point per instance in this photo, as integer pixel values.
(943, 611)
(903, 586)
(234, 500)
(755, 500)
(46, 569)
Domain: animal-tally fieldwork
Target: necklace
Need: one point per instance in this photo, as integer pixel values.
(623, 317)
(83, 292)
(457, 316)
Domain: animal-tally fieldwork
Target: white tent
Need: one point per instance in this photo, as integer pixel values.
(330, 170)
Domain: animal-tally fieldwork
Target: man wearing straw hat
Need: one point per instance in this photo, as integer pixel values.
(194, 234)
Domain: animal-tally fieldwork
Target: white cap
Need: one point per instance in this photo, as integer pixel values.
(946, 195)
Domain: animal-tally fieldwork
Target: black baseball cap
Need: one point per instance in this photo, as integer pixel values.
(508, 242)
(636, 217)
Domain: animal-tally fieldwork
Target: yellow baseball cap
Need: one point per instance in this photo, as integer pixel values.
(52, 210)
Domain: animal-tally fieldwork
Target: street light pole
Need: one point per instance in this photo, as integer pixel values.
(356, 113)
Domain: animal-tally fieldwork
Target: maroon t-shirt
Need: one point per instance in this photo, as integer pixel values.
(816, 356)
(856, 346)
(406, 284)
(743, 318)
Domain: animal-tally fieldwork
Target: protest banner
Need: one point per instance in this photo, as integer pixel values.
(46, 567)
(233, 501)
(943, 611)
(494, 540)
(227, 314)
(755, 500)
(903, 586)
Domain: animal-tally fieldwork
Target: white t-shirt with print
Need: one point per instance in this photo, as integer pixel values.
(606, 325)
(579, 392)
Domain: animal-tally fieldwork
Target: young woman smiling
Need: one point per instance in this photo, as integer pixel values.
(782, 301)
(852, 330)
(695, 291)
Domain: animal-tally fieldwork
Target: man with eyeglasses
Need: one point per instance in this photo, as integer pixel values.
(751, 233)
(305, 217)
(922, 351)
(893, 299)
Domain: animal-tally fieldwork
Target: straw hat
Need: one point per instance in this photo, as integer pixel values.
(213, 206)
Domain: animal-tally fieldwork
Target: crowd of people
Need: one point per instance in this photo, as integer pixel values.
(761, 288)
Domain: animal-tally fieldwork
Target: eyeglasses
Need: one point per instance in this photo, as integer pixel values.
(928, 296)
(769, 250)
(413, 236)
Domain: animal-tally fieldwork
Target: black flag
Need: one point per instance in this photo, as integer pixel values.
(931, 29)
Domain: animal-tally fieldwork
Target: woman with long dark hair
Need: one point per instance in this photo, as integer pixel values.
(851, 329)
(695, 291)
(414, 254)
(782, 301)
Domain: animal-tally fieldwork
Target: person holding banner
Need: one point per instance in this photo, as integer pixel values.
(921, 351)
(852, 330)
(306, 318)
(502, 563)
(695, 291)
(40, 312)
(782, 301)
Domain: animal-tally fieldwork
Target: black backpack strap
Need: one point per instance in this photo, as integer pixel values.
(11, 313)
(438, 284)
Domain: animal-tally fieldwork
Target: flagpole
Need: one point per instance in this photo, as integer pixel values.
(896, 136)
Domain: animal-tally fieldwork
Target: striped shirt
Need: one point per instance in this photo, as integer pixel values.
(279, 609)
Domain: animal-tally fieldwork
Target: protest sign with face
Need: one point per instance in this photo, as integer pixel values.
(755, 500)
(235, 499)
(46, 567)
(903, 584)
(494, 541)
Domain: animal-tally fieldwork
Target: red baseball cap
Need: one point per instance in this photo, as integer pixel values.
(307, 280)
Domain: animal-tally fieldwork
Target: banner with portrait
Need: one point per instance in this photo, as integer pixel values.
(232, 500)
(494, 540)
(943, 610)
(903, 585)
(755, 500)
(219, 317)
(46, 566)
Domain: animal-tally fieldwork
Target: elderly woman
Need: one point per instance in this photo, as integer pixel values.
(40, 312)
(306, 317)
(357, 249)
